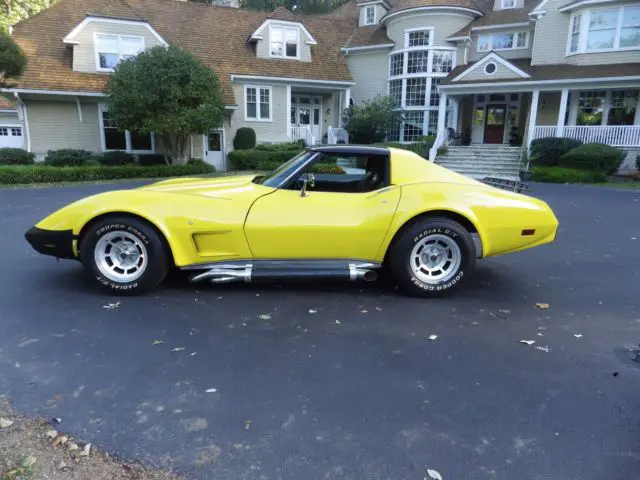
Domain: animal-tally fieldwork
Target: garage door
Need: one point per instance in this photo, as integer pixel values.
(10, 136)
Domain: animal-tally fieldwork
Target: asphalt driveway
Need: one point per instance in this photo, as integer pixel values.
(341, 382)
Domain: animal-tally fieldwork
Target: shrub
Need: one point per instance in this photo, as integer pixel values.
(245, 139)
(151, 159)
(276, 147)
(16, 156)
(196, 161)
(14, 175)
(547, 151)
(259, 159)
(638, 162)
(373, 121)
(67, 157)
(595, 157)
(566, 175)
(115, 158)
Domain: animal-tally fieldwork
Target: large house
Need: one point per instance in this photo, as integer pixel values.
(477, 74)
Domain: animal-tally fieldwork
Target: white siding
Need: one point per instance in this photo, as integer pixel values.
(502, 73)
(548, 108)
(508, 54)
(605, 58)
(444, 25)
(274, 131)
(370, 71)
(84, 56)
(262, 47)
(9, 119)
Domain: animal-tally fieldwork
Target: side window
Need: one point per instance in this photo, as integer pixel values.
(348, 173)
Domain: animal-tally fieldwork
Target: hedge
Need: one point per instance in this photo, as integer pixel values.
(594, 157)
(546, 152)
(245, 139)
(260, 159)
(14, 175)
(566, 175)
(115, 158)
(67, 157)
(16, 156)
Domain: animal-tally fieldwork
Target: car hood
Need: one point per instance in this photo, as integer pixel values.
(224, 187)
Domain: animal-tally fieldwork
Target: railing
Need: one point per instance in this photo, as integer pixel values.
(614, 135)
(440, 139)
(337, 135)
(303, 133)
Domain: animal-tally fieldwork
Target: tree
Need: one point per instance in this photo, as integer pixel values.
(12, 60)
(13, 11)
(373, 121)
(167, 91)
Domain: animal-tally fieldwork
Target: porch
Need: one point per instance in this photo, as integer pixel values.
(315, 116)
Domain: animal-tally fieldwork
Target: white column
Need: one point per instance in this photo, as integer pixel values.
(606, 108)
(533, 114)
(347, 97)
(442, 111)
(340, 108)
(454, 115)
(289, 111)
(564, 96)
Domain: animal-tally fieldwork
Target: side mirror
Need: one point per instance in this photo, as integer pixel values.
(307, 180)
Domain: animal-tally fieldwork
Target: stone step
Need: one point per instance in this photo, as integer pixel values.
(458, 153)
(477, 163)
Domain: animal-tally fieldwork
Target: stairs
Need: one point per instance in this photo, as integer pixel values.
(479, 161)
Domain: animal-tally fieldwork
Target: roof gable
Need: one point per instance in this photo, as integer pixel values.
(508, 70)
(71, 37)
(258, 34)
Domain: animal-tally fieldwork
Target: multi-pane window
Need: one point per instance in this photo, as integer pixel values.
(258, 103)
(283, 42)
(413, 125)
(418, 38)
(434, 98)
(418, 61)
(590, 108)
(370, 15)
(605, 29)
(442, 61)
(396, 65)
(432, 125)
(622, 108)
(502, 41)
(4, 132)
(116, 139)
(508, 4)
(16, 131)
(395, 91)
(416, 92)
(112, 49)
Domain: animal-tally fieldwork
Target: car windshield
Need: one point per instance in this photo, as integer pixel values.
(275, 178)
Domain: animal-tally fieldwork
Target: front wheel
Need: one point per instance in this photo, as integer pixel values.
(125, 255)
(432, 257)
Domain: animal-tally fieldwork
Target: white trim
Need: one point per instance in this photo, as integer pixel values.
(96, 53)
(451, 39)
(54, 92)
(502, 7)
(256, 35)
(258, 89)
(501, 25)
(413, 49)
(291, 79)
(485, 68)
(498, 59)
(347, 97)
(102, 107)
(572, 6)
(284, 29)
(205, 146)
(9, 111)
(408, 31)
(562, 113)
(375, 15)
(367, 47)
(375, 2)
(288, 111)
(25, 119)
(583, 33)
(71, 36)
(533, 114)
(537, 9)
(508, 49)
(422, 9)
(79, 111)
(552, 84)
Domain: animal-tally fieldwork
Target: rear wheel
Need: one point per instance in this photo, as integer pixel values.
(432, 257)
(125, 255)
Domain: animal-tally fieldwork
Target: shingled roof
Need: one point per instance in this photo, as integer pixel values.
(216, 35)
(400, 5)
(498, 17)
(368, 36)
(6, 104)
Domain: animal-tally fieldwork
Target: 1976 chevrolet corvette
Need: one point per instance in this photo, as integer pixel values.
(377, 206)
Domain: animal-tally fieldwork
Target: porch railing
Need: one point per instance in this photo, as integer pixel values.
(303, 133)
(614, 135)
(337, 135)
(440, 139)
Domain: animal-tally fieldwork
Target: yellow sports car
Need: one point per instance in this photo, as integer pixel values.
(332, 212)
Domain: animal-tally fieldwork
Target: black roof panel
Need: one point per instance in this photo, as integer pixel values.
(349, 149)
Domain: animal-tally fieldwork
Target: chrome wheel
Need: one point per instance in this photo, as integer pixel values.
(121, 257)
(435, 259)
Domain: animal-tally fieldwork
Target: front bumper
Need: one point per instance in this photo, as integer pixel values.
(57, 243)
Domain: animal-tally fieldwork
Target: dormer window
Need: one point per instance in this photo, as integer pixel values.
(503, 41)
(504, 4)
(284, 41)
(370, 15)
(112, 49)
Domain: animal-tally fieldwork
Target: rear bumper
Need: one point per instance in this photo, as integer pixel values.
(57, 243)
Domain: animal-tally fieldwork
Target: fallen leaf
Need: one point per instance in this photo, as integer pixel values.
(543, 306)
(57, 441)
(111, 306)
(193, 354)
(52, 434)
(73, 447)
(338, 322)
(157, 342)
(539, 334)
(5, 423)
(264, 316)
(544, 349)
(528, 342)
(247, 424)
(433, 337)
(211, 390)
(29, 461)
(433, 475)
(178, 349)
(311, 310)
(577, 335)
(63, 466)
(364, 311)
(86, 450)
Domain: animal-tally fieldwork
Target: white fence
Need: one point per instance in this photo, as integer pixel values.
(303, 133)
(614, 135)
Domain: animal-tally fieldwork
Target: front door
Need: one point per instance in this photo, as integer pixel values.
(213, 149)
(494, 123)
(306, 112)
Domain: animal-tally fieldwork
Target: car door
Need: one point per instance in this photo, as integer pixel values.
(321, 223)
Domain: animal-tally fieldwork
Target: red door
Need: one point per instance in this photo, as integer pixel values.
(494, 123)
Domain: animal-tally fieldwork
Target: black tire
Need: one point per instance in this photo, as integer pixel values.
(157, 262)
(400, 261)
